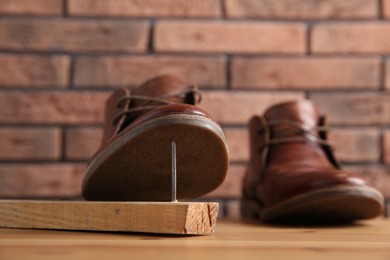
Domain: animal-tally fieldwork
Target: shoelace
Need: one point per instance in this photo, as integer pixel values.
(160, 99)
(308, 134)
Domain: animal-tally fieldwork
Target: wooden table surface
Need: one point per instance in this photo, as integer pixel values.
(232, 240)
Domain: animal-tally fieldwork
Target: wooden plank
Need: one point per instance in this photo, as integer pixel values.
(195, 218)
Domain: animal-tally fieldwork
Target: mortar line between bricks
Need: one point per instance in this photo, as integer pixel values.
(309, 28)
(309, 91)
(70, 18)
(302, 56)
(107, 90)
(42, 161)
(382, 74)
(150, 43)
(345, 91)
(222, 5)
(332, 126)
(29, 127)
(89, 127)
(82, 89)
(319, 89)
(227, 20)
(40, 125)
(380, 7)
(285, 20)
(5, 51)
(65, 8)
(72, 73)
(377, 127)
(188, 54)
(123, 18)
(55, 90)
(111, 54)
(131, 86)
(224, 126)
(381, 146)
(216, 53)
(49, 126)
(229, 72)
(63, 145)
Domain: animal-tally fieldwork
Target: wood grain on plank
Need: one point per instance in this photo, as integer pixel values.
(152, 217)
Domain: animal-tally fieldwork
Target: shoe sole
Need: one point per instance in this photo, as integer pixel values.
(340, 204)
(138, 164)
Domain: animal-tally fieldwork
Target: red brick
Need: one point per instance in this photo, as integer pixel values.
(309, 73)
(52, 107)
(356, 144)
(145, 8)
(302, 9)
(378, 176)
(358, 37)
(355, 108)
(62, 180)
(238, 140)
(125, 70)
(28, 7)
(237, 107)
(386, 147)
(73, 35)
(30, 143)
(235, 37)
(386, 9)
(34, 71)
(231, 187)
(82, 143)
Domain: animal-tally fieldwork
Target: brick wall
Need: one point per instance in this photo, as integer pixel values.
(59, 60)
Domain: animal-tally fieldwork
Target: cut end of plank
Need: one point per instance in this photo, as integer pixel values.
(201, 218)
(182, 218)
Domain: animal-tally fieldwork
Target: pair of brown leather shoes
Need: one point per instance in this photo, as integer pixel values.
(292, 174)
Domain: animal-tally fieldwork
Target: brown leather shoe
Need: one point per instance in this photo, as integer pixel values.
(293, 175)
(134, 162)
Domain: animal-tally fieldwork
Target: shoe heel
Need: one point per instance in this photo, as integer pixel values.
(250, 209)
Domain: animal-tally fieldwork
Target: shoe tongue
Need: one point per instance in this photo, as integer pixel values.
(304, 112)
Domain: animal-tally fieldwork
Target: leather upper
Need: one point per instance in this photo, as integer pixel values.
(124, 106)
(298, 158)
